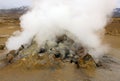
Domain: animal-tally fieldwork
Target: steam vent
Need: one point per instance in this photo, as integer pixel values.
(54, 54)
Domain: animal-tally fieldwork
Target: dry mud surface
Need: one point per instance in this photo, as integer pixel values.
(110, 71)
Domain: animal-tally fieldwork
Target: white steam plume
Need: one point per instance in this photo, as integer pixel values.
(48, 18)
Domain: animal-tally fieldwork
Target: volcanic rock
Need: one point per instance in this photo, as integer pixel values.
(2, 47)
(52, 54)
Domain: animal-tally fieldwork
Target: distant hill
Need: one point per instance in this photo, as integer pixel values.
(13, 11)
(21, 10)
(116, 12)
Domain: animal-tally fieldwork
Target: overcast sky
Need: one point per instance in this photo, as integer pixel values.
(13, 3)
(17, 3)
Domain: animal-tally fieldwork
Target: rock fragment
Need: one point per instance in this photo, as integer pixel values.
(2, 47)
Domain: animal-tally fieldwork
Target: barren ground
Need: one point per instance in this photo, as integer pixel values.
(111, 72)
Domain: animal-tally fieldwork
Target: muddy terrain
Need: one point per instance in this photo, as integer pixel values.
(109, 70)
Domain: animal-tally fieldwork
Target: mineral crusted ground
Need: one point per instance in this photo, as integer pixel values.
(24, 68)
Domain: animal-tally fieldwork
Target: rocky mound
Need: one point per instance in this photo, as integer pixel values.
(52, 54)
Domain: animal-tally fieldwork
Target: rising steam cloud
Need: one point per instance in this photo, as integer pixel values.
(48, 18)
